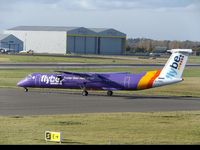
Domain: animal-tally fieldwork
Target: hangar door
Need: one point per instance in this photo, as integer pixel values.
(110, 46)
(81, 44)
(11, 43)
(8, 46)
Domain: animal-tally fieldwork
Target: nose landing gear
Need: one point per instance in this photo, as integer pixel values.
(109, 93)
(25, 90)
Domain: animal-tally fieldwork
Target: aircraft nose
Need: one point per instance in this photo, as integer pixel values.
(22, 83)
(25, 83)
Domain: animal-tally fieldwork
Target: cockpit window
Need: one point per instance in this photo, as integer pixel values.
(29, 76)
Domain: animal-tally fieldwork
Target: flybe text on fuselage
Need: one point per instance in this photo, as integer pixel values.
(175, 66)
(52, 80)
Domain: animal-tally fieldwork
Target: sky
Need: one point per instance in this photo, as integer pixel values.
(155, 19)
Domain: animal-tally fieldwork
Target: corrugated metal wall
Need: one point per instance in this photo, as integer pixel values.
(95, 41)
(81, 44)
(110, 46)
(95, 45)
(91, 45)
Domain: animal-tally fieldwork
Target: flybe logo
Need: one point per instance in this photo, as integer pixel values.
(175, 66)
(178, 60)
(52, 80)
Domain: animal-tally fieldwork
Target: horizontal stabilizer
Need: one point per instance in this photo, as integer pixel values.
(186, 51)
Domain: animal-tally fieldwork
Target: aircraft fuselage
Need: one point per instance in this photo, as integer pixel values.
(96, 81)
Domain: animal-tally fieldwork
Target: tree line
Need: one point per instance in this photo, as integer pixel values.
(149, 45)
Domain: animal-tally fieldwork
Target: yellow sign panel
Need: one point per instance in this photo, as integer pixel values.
(53, 136)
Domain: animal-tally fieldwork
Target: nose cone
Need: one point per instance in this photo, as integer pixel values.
(24, 83)
(21, 83)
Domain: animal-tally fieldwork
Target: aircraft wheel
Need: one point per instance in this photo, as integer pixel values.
(85, 93)
(25, 90)
(109, 93)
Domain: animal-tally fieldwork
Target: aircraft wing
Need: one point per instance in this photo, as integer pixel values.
(84, 75)
(93, 77)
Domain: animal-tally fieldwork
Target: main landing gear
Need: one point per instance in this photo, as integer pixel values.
(85, 93)
(109, 93)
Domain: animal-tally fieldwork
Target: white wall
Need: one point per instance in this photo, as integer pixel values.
(42, 41)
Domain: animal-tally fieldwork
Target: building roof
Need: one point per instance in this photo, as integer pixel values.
(53, 28)
(98, 29)
(66, 29)
(43, 28)
(3, 36)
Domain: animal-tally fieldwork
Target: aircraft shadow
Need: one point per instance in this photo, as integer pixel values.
(118, 95)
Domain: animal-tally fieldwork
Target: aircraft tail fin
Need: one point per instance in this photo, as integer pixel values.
(173, 69)
(175, 66)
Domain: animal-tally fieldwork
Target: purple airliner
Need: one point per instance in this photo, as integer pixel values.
(170, 74)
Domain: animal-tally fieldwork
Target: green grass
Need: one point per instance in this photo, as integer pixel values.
(194, 59)
(52, 59)
(113, 128)
(87, 59)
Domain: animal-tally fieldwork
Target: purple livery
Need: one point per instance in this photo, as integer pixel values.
(170, 74)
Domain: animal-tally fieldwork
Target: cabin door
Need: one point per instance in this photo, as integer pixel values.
(38, 80)
(127, 81)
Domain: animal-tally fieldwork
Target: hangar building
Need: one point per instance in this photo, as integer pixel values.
(78, 40)
(10, 42)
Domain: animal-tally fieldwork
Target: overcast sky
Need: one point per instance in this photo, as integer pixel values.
(156, 19)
